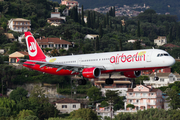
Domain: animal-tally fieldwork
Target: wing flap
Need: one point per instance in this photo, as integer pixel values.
(60, 66)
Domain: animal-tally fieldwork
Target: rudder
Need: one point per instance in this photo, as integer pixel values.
(34, 51)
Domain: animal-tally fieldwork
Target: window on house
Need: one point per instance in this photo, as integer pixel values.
(74, 106)
(152, 93)
(130, 101)
(130, 93)
(137, 101)
(64, 106)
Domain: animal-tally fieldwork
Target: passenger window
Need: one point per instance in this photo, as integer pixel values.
(161, 54)
(158, 55)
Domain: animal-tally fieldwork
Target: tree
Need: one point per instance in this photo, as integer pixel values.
(138, 30)
(84, 113)
(94, 94)
(82, 19)
(130, 106)
(137, 45)
(113, 99)
(24, 113)
(104, 104)
(1, 59)
(18, 94)
(100, 31)
(173, 98)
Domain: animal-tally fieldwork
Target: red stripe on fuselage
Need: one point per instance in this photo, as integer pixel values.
(62, 72)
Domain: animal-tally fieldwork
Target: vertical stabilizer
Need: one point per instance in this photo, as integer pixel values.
(34, 51)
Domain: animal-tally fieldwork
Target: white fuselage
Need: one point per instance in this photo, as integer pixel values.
(121, 60)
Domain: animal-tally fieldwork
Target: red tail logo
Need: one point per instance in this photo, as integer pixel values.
(34, 51)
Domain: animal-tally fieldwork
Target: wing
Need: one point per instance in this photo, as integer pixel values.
(59, 66)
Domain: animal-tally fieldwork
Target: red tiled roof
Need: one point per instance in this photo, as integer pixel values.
(47, 41)
(24, 53)
(130, 90)
(66, 100)
(170, 45)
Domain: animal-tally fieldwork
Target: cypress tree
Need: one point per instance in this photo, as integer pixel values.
(107, 18)
(88, 20)
(97, 23)
(170, 35)
(100, 31)
(97, 44)
(104, 23)
(138, 30)
(82, 16)
(120, 45)
(121, 28)
(114, 12)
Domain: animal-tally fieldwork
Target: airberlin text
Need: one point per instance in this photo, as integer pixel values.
(127, 58)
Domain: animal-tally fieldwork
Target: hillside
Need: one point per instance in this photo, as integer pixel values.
(160, 6)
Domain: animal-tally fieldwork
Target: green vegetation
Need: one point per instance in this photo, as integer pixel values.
(150, 114)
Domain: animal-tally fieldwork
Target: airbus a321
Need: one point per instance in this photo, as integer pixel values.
(131, 63)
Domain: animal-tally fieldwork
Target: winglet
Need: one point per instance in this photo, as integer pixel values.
(18, 59)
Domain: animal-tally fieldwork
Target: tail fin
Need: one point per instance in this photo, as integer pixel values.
(34, 51)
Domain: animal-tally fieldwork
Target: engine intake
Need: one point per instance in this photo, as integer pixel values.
(132, 74)
(91, 72)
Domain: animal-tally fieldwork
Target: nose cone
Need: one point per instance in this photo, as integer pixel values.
(171, 61)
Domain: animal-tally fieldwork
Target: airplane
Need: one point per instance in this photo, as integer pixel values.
(130, 63)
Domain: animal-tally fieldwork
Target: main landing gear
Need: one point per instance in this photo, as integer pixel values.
(82, 82)
(109, 80)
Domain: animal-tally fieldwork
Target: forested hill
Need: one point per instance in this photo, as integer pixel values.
(160, 6)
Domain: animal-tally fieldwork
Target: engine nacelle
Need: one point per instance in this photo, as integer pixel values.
(132, 74)
(91, 72)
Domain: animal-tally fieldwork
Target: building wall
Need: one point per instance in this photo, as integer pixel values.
(19, 26)
(69, 107)
(142, 98)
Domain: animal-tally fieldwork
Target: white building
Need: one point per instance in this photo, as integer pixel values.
(67, 105)
(91, 36)
(161, 40)
(19, 25)
(132, 41)
(164, 79)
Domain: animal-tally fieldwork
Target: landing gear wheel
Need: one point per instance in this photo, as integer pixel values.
(82, 82)
(109, 81)
(156, 78)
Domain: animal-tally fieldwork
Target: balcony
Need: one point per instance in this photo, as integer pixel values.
(21, 24)
(151, 103)
(140, 97)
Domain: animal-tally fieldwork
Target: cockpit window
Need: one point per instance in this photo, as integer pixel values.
(162, 54)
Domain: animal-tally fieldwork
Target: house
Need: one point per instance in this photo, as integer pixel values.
(164, 79)
(71, 4)
(2, 51)
(56, 19)
(21, 38)
(144, 97)
(91, 36)
(119, 82)
(132, 41)
(57, 9)
(148, 72)
(18, 54)
(103, 111)
(67, 105)
(161, 40)
(57, 43)
(10, 36)
(19, 25)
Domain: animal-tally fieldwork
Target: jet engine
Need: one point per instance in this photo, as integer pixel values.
(132, 74)
(91, 72)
